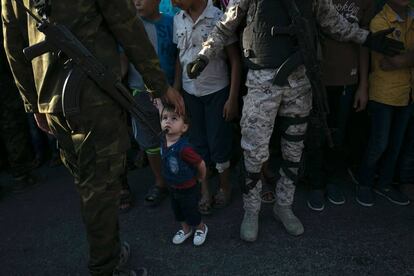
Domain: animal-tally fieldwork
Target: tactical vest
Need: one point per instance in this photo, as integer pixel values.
(263, 44)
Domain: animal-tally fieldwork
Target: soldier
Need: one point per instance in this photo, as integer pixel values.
(265, 50)
(14, 130)
(95, 152)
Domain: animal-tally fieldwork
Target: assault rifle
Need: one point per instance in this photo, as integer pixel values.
(300, 28)
(82, 64)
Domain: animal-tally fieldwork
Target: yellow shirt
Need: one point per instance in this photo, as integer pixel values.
(392, 87)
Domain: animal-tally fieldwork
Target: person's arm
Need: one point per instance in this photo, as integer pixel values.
(337, 26)
(230, 109)
(225, 28)
(124, 23)
(361, 95)
(177, 74)
(189, 156)
(15, 40)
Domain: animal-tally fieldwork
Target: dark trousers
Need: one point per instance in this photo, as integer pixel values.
(320, 160)
(405, 168)
(185, 205)
(14, 130)
(388, 127)
(95, 156)
(210, 134)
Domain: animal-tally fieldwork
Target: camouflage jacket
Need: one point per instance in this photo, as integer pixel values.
(99, 25)
(329, 20)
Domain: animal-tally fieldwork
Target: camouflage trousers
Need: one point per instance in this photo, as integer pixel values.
(96, 157)
(264, 101)
(14, 130)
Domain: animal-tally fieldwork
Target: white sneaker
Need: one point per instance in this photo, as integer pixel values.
(180, 236)
(200, 236)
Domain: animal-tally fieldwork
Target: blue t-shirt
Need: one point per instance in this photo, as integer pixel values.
(167, 8)
(160, 33)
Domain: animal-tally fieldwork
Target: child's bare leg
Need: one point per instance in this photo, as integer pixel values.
(155, 164)
(186, 228)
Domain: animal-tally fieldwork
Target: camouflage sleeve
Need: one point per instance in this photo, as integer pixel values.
(15, 40)
(336, 25)
(225, 28)
(129, 31)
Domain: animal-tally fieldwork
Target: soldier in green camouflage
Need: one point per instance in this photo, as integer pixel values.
(95, 153)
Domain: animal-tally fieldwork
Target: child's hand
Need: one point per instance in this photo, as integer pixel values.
(230, 109)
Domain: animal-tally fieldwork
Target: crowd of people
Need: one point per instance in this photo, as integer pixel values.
(235, 113)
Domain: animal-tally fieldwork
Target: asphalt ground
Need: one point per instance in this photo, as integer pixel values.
(41, 233)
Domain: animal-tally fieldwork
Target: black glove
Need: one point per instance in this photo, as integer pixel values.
(379, 42)
(197, 66)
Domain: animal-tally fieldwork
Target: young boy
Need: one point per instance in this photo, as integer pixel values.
(181, 166)
(390, 109)
(211, 100)
(159, 28)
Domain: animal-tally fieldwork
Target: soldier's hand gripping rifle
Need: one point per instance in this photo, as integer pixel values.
(60, 39)
(300, 28)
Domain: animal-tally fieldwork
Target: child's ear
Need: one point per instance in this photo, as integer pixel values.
(185, 127)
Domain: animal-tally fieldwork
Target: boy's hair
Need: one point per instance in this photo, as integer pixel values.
(171, 108)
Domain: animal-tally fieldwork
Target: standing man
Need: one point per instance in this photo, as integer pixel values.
(267, 43)
(95, 152)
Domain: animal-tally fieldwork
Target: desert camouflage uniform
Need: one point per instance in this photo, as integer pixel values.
(264, 100)
(95, 154)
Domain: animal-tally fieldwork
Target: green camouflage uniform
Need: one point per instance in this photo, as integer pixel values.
(95, 155)
(14, 131)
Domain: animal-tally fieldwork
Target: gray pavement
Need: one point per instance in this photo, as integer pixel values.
(42, 234)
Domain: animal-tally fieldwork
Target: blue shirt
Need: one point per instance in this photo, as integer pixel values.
(167, 8)
(160, 33)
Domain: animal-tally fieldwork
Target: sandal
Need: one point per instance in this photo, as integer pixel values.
(221, 199)
(204, 206)
(155, 195)
(125, 203)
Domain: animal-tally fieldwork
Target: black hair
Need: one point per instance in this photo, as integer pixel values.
(171, 108)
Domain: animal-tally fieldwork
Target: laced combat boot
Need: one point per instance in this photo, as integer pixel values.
(291, 223)
(251, 204)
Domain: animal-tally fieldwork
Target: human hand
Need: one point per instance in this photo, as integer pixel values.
(173, 97)
(41, 122)
(197, 66)
(360, 98)
(379, 42)
(230, 109)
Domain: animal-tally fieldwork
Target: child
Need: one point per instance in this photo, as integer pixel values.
(159, 28)
(390, 108)
(211, 100)
(181, 166)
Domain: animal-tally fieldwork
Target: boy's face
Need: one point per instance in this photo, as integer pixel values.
(182, 4)
(173, 122)
(146, 8)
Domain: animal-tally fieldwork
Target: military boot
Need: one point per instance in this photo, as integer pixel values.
(251, 205)
(291, 223)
